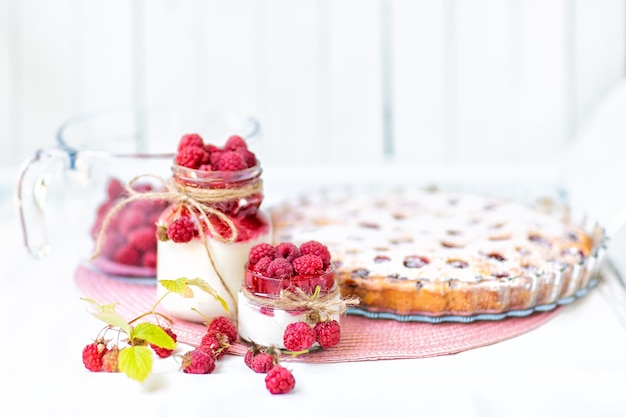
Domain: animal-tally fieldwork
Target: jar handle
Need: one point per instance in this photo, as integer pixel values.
(32, 185)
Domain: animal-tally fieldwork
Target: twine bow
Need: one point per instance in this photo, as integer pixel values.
(198, 201)
(318, 307)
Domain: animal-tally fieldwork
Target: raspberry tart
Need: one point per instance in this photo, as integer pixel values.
(424, 253)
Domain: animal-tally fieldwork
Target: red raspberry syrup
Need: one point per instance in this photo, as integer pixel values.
(264, 286)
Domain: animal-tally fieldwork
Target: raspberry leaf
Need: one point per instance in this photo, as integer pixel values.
(107, 314)
(204, 286)
(154, 334)
(177, 286)
(136, 362)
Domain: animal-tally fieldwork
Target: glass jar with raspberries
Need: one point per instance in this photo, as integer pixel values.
(215, 219)
(289, 298)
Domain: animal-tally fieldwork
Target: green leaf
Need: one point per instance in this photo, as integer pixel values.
(204, 286)
(154, 334)
(108, 308)
(107, 314)
(114, 320)
(136, 362)
(178, 286)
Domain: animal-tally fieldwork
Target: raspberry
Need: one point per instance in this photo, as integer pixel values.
(234, 142)
(248, 357)
(115, 189)
(279, 380)
(215, 342)
(210, 148)
(214, 157)
(247, 156)
(261, 266)
(149, 259)
(328, 333)
(259, 251)
(110, 360)
(143, 238)
(280, 268)
(161, 351)
(262, 363)
(224, 326)
(230, 161)
(92, 356)
(192, 157)
(287, 250)
(298, 336)
(181, 230)
(308, 265)
(198, 361)
(127, 255)
(190, 139)
(313, 247)
(129, 219)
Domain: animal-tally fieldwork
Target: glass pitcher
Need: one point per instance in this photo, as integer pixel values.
(64, 191)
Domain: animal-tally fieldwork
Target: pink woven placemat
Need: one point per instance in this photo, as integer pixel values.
(362, 339)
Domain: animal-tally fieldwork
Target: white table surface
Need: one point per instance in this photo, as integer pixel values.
(575, 365)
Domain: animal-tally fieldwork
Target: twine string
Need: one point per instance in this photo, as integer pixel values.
(318, 307)
(198, 201)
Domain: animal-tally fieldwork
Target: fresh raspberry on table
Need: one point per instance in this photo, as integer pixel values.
(181, 230)
(313, 247)
(190, 139)
(234, 142)
(143, 238)
(262, 363)
(308, 265)
(259, 251)
(287, 250)
(92, 356)
(230, 161)
(127, 255)
(223, 325)
(279, 380)
(327, 333)
(161, 351)
(298, 336)
(215, 342)
(110, 360)
(280, 268)
(192, 157)
(247, 156)
(198, 361)
(261, 266)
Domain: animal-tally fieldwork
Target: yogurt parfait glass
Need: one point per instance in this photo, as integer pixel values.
(207, 232)
(269, 305)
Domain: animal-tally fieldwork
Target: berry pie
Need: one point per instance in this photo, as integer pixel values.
(436, 253)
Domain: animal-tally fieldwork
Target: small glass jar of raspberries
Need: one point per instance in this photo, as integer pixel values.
(289, 298)
(213, 222)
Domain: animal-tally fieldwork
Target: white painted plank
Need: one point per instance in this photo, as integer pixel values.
(418, 80)
(290, 63)
(355, 96)
(512, 80)
(7, 154)
(600, 55)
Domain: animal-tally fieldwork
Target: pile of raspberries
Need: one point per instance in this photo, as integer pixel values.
(130, 238)
(286, 260)
(193, 153)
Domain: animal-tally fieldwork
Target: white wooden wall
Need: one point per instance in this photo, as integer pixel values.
(412, 80)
